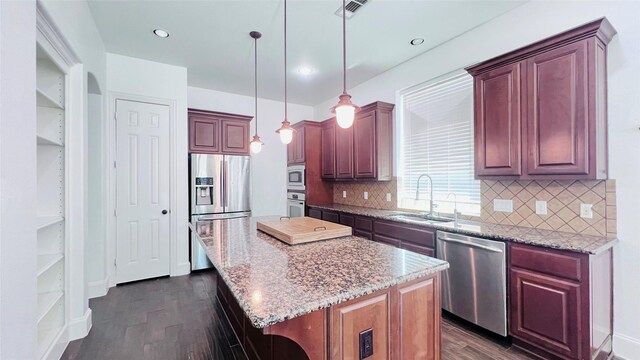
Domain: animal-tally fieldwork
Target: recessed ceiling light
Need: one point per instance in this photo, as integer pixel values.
(161, 33)
(416, 41)
(305, 70)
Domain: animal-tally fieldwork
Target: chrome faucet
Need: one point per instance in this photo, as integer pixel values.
(430, 192)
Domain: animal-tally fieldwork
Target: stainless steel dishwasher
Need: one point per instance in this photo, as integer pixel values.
(475, 285)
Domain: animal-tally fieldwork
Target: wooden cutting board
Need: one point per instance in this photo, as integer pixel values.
(303, 230)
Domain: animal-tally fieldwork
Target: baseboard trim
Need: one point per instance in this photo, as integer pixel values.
(98, 288)
(80, 327)
(626, 347)
(183, 268)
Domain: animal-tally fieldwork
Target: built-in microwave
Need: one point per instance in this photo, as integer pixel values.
(296, 177)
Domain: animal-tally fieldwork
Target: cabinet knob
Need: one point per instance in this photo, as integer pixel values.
(164, 212)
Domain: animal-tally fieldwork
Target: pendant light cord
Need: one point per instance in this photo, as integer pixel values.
(344, 47)
(286, 117)
(255, 41)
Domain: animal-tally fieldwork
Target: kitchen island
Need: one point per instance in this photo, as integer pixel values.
(333, 298)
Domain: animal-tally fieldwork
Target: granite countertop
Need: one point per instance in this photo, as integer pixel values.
(274, 282)
(587, 244)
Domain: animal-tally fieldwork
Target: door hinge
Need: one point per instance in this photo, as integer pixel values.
(115, 213)
(114, 164)
(115, 262)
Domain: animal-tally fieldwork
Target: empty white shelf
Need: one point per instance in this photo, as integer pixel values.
(46, 302)
(45, 262)
(44, 221)
(42, 99)
(46, 141)
(46, 339)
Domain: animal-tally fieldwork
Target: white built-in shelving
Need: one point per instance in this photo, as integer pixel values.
(50, 222)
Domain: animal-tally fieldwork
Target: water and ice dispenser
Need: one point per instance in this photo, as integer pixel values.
(204, 191)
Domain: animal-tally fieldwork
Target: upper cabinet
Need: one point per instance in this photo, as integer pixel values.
(363, 151)
(218, 133)
(540, 111)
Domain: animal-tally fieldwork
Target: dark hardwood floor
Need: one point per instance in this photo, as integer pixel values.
(179, 318)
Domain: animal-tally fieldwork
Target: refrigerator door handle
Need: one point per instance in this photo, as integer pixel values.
(224, 183)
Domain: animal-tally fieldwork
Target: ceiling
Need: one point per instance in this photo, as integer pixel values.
(211, 38)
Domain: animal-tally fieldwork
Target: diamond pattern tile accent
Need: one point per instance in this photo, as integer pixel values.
(377, 194)
(563, 204)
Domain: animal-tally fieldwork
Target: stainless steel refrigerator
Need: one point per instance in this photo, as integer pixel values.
(220, 188)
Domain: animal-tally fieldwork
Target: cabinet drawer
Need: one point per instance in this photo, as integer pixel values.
(364, 224)
(418, 249)
(315, 213)
(331, 216)
(348, 220)
(404, 232)
(552, 262)
(387, 240)
(364, 234)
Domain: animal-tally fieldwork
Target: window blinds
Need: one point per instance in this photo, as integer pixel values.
(437, 139)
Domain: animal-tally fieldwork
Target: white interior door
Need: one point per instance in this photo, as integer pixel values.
(142, 191)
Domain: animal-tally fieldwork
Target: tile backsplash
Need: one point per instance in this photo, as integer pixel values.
(377, 192)
(563, 204)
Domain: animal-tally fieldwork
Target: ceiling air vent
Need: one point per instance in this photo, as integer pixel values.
(352, 7)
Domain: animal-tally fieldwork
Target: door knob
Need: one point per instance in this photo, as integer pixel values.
(164, 212)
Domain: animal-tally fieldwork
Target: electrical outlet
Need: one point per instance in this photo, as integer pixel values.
(541, 207)
(389, 197)
(366, 344)
(344, 194)
(366, 195)
(503, 205)
(586, 211)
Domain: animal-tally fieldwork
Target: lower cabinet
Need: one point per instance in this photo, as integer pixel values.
(560, 302)
(315, 213)
(331, 216)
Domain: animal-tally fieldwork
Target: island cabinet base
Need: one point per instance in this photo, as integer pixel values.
(399, 323)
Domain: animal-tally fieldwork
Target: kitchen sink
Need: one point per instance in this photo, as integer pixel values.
(421, 217)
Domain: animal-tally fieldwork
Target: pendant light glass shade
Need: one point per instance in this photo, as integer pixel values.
(345, 110)
(256, 145)
(286, 132)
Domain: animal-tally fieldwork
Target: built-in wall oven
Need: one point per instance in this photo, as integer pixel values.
(296, 177)
(295, 204)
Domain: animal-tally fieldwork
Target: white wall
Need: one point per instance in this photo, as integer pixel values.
(18, 306)
(127, 75)
(526, 24)
(268, 196)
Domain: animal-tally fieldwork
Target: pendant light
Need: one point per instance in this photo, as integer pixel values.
(345, 110)
(256, 144)
(285, 131)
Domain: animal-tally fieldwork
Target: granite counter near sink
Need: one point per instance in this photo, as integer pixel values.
(587, 244)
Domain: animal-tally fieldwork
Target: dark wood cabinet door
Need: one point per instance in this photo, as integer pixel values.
(557, 118)
(204, 134)
(387, 240)
(498, 122)
(545, 311)
(424, 250)
(235, 137)
(291, 152)
(364, 146)
(331, 216)
(315, 213)
(344, 153)
(328, 151)
(299, 146)
(347, 219)
(364, 234)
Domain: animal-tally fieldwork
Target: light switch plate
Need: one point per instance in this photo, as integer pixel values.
(366, 195)
(389, 197)
(503, 205)
(344, 194)
(541, 207)
(586, 211)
